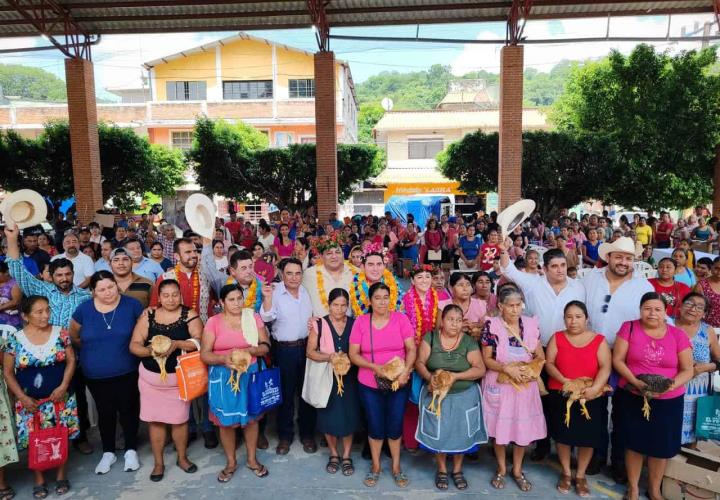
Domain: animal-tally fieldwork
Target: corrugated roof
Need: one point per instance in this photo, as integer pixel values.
(162, 16)
(446, 119)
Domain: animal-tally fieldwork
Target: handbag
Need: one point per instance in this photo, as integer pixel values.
(707, 418)
(383, 384)
(47, 448)
(192, 374)
(264, 392)
(318, 381)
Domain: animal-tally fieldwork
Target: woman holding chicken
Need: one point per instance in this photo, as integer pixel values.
(382, 346)
(578, 364)
(511, 403)
(450, 362)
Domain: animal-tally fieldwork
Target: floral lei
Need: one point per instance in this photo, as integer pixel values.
(252, 300)
(195, 278)
(321, 287)
(425, 315)
(359, 299)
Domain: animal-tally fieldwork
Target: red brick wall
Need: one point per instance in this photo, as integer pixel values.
(326, 180)
(84, 137)
(179, 111)
(295, 109)
(236, 110)
(510, 147)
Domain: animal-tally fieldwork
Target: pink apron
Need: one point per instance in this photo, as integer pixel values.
(512, 415)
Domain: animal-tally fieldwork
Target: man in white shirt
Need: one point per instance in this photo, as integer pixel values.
(321, 279)
(288, 306)
(545, 298)
(613, 297)
(83, 266)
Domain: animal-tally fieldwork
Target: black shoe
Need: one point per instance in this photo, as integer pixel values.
(83, 447)
(156, 478)
(618, 473)
(211, 440)
(595, 466)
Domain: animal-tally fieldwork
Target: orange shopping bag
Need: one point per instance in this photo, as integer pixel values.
(192, 376)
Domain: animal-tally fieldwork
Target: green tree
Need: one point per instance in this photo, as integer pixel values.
(31, 83)
(571, 161)
(284, 176)
(130, 165)
(661, 112)
(368, 116)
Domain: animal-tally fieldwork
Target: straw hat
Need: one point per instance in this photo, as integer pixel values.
(514, 215)
(622, 245)
(25, 207)
(200, 214)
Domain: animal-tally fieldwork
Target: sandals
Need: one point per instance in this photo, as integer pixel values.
(441, 480)
(40, 491)
(371, 479)
(333, 464)
(7, 493)
(459, 480)
(226, 474)
(498, 481)
(522, 482)
(348, 469)
(260, 471)
(564, 484)
(401, 480)
(581, 487)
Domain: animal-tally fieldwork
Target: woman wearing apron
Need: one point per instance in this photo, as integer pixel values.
(511, 416)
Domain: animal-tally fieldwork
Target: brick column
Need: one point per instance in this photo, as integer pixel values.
(510, 146)
(326, 180)
(84, 145)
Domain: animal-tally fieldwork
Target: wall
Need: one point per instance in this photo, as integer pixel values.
(196, 67)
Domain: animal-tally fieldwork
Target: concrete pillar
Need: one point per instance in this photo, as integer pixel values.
(84, 145)
(510, 146)
(326, 181)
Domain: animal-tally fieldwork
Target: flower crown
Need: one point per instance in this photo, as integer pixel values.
(419, 268)
(325, 242)
(374, 248)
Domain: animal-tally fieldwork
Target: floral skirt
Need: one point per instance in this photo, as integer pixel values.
(68, 417)
(8, 448)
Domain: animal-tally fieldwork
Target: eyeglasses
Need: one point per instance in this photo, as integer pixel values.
(606, 305)
(693, 305)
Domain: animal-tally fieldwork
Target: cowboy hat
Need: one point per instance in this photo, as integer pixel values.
(621, 245)
(25, 207)
(514, 215)
(200, 214)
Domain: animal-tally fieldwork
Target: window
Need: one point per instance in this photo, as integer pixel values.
(307, 140)
(426, 148)
(283, 139)
(302, 88)
(248, 89)
(186, 91)
(181, 140)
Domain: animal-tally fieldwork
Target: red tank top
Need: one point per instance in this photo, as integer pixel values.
(574, 362)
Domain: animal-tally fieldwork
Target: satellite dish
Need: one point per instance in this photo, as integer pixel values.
(387, 104)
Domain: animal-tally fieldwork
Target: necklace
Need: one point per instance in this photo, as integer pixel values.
(109, 325)
(457, 341)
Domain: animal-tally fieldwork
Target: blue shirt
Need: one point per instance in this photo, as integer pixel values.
(29, 264)
(105, 352)
(470, 248)
(62, 305)
(148, 269)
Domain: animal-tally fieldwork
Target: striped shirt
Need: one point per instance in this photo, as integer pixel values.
(62, 305)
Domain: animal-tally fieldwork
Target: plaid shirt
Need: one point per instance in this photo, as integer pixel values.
(62, 306)
(167, 244)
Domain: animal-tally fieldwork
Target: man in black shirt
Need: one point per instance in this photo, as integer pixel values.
(31, 249)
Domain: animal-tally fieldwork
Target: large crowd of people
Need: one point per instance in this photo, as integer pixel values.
(519, 340)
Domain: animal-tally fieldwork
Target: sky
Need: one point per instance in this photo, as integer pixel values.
(118, 58)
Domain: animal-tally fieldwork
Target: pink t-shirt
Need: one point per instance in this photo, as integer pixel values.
(388, 342)
(655, 356)
(475, 313)
(226, 339)
(284, 250)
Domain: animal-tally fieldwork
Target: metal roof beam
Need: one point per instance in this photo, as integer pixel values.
(320, 23)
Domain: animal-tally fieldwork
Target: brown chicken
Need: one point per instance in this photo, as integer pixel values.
(240, 362)
(572, 389)
(392, 370)
(440, 384)
(532, 372)
(340, 365)
(160, 344)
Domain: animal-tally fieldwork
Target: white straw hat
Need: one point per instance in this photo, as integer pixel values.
(25, 207)
(200, 214)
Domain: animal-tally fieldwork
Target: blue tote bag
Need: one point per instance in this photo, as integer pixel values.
(264, 391)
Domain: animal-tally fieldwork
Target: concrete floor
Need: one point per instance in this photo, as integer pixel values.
(293, 476)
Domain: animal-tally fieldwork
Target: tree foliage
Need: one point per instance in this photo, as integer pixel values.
(368, 116)
(225, 165)
(661, 112)
(558, 169)
(130, 165)
(31, 83)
